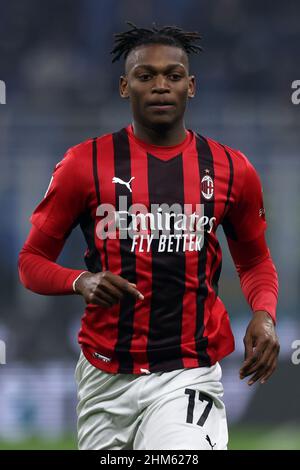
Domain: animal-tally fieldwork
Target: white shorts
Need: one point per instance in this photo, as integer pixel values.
(181, 409)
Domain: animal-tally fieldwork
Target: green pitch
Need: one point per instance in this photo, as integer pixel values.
(248, 438)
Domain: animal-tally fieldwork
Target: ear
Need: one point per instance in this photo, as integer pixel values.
(123, 87)
(192, 86)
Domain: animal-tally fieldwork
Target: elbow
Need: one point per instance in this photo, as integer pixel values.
(255, 263)
(22, 268)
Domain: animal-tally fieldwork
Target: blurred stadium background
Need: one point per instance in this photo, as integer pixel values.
(62, 89)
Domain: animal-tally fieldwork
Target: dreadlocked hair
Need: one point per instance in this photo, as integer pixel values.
(170, 35)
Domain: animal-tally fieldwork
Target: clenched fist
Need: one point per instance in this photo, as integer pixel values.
(105, 288)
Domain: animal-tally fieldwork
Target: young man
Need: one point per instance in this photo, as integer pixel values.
(149, 199)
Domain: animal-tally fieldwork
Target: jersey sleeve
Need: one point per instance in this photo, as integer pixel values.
(257, 273)
(38, 270)
(65, 199)
(245, 220)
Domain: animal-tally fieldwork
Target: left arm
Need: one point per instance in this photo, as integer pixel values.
(244, 227)
(259, 283)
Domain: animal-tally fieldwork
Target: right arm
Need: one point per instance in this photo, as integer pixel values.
(52, 221)
(39, 273)
(38, 270)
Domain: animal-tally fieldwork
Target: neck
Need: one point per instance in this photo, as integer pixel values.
(160, 136)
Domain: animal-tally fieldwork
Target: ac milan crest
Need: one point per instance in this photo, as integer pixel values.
(207, 187)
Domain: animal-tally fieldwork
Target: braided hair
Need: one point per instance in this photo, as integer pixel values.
(169, 35)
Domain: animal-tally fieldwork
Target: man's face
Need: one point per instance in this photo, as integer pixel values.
(158, 84)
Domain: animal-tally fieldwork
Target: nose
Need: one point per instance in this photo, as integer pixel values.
(160, 84)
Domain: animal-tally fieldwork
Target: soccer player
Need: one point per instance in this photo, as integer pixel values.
(149, 199)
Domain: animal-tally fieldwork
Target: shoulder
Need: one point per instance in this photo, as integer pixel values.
(85, 148)
(80, 155)
(240, 163)
(237, 156)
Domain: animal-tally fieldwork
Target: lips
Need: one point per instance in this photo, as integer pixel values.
(161, 106)
(161, 103)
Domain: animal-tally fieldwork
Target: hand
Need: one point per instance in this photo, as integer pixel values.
(261, 348)
(105, 288)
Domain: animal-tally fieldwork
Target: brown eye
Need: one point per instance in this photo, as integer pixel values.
(144, 77)
(175, 76)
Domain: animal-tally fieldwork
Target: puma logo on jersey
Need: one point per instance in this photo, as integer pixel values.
(127, 184)
(210, 443)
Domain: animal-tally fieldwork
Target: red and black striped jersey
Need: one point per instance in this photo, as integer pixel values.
(150, 214)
